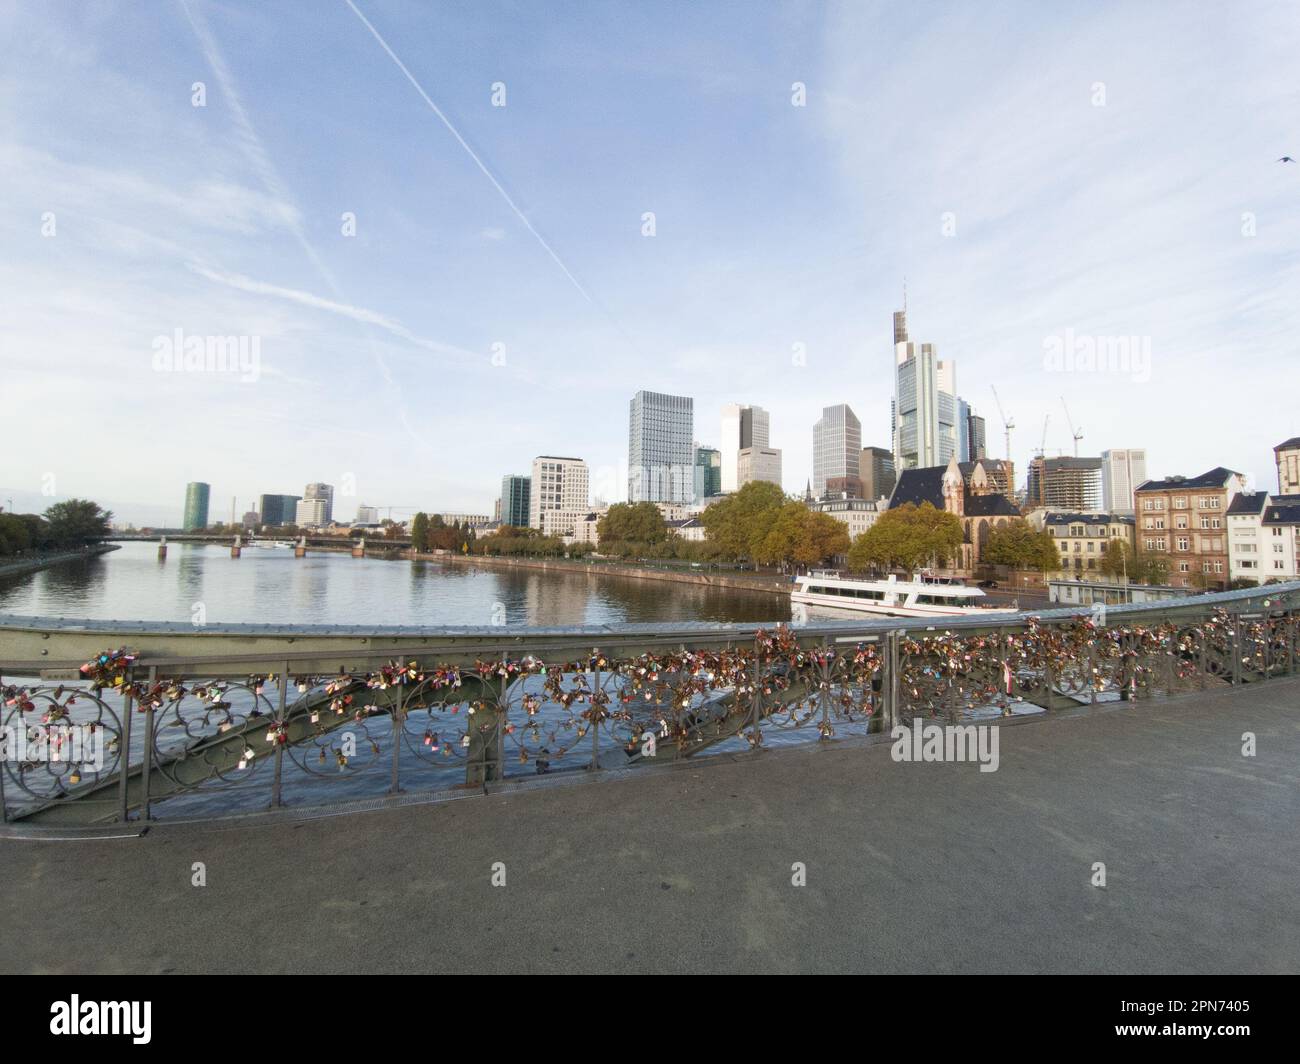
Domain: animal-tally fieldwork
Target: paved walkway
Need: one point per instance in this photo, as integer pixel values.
(909, 867)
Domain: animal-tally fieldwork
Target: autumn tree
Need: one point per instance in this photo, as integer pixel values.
(907, 537)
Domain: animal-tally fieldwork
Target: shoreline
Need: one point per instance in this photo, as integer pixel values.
(22, 566)
(770, 585)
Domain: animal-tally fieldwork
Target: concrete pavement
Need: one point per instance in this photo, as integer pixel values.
(910, 867)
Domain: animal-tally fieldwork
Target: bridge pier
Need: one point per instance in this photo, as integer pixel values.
(236, 549)
(300, 551)
(359, 548)
(162, 549)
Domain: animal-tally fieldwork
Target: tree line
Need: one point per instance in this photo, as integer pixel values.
(64, 526)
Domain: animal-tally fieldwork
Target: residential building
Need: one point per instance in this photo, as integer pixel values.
(925, 404)
(857, 515)
(1287, 456)
(1264, 537)
(515, 499)
(661, 449)
(688, 528)
(557, 484)
(743, 428)
(196, 507)
(1065, 483)
(1184, 520)
(1083, 537)
(278, 509)
(563, 523)
(837, 446)
(708, 472)
(1121, 472)
(323, 493)
(876, 472)
(758, 463)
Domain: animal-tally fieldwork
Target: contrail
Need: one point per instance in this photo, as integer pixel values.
(469, 151)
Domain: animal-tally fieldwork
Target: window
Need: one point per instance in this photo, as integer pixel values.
(1184, 543)
(1184, 567)
(1180, 502)
(1180, 521)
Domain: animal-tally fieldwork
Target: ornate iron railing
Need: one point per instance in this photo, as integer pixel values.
(185, 733)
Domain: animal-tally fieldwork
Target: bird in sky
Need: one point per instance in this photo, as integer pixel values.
(1286, 159)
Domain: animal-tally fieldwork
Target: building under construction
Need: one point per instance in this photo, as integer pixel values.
(1072, 484)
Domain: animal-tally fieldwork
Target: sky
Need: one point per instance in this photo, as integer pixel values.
(440, 288)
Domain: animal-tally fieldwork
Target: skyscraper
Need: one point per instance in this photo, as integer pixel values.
(745, 428)
(975, 439)
(1073, 484)
(660, 448)
(876, 472)
(322, 498)
(515, 500)
(837, 446)
(196, 507)
(708, 472)
(1121, 472)
(925, 403)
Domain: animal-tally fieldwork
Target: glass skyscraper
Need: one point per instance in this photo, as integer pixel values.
(196, 507)
(837, 446)
(516, 491)
(661, 448)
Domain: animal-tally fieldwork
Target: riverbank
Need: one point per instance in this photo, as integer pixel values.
(34, 563)
(731, 581)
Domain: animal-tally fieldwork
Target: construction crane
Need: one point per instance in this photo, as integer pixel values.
(1075, 432)
(1042, 451)
(1007, 423)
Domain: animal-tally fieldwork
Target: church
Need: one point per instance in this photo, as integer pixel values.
(971, 490)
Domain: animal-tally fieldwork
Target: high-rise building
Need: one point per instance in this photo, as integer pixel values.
(660, 448)
(515, 500)
(758, 463)
(976, 446)
(876, 471)
(324, 494)
(196, 506)
(1121, 472)
(311, 513)
(742, 427)
(366, 515)
(557, 484)
(925, 403)
(708, 472)
(278, 509)
(1288, 466)
(837, 446)
(1070, 484)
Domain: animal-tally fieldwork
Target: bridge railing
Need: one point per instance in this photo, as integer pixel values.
(140, 735)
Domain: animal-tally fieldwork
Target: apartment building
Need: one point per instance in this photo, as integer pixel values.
(1185, 520)
(557, 484)
(1083, 538)
(1264, 537)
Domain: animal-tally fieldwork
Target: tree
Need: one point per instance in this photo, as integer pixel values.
(76, 522)
(1117, 559)
(632, 528)
(1017, 545)
(800, 536)
(420, 533)
(907, 537)
(738, 526)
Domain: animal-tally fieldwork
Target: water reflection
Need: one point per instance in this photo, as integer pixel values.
(271, 586)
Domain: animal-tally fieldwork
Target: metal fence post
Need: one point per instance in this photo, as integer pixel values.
(124, 757)
(148, 751)
(1236, 649)
(394, 787)
(756, 717)
(282, 689)
(595, 723)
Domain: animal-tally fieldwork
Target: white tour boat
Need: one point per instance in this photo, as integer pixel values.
(891, 597)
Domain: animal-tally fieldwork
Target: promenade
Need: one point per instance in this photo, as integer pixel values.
(910, 867)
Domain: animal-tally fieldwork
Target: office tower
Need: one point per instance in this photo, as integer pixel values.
(876, 471)
(758, 463)
(837, 447)
(196, 507)
(557, 484)
(321, 493)
(312, 512)
(1287, 456)
(660, 448)
(742, 427)
(963, 433)
(515, 500)
(366, 515)
(925, 404)
(1121, 473)
(975, 441)
(1072, 484)
(278, 509)
(708, 472)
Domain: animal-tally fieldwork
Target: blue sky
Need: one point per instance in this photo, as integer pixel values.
(1097, 167)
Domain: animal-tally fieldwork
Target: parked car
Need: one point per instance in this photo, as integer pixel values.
(988, 583)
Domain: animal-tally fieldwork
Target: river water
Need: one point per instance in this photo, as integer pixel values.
(270, 586)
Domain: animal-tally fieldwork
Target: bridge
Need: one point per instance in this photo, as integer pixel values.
(1158, 743)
